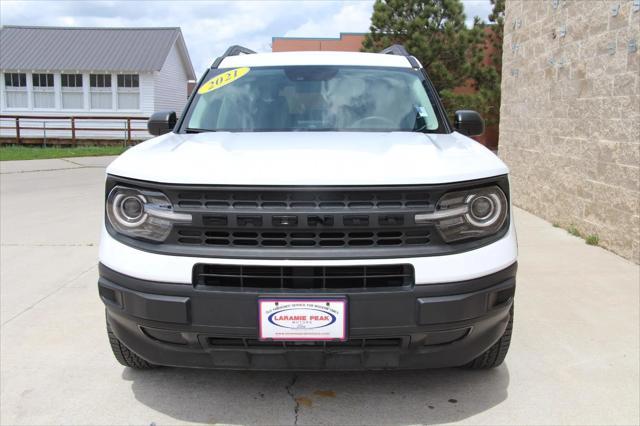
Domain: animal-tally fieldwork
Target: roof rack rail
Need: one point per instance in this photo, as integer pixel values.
(234, 50)
(395, 49)
(400, 50)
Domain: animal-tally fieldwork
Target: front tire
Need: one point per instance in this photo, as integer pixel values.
(124, 355)
(495, 355)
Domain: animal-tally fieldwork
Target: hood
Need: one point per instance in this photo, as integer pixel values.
(308, 158)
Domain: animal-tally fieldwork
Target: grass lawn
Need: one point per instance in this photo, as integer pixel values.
(14, 152)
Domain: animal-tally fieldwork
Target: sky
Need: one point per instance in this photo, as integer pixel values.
(209, 27)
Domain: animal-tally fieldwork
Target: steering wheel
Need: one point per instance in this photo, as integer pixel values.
(373, 119)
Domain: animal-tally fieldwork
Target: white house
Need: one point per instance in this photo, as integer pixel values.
(113, 72)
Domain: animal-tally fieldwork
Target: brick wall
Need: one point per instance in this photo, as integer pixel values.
(347, 42)
(570, 115)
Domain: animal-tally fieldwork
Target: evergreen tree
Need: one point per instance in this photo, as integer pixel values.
(495, 38)
(434, 31)
(497, 19)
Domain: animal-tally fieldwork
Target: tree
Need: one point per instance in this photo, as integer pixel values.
(495, 39)
(497, 18)
(434, 31)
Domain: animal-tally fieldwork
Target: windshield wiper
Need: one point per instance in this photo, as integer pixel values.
(196, 130)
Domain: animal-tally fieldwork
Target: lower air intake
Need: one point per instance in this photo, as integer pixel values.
(304, 277)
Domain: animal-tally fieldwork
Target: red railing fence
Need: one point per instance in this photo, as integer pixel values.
(77, 126)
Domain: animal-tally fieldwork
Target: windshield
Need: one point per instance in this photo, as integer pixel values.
(312, 98)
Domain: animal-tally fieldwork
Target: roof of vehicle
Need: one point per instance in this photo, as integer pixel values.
(315, 58)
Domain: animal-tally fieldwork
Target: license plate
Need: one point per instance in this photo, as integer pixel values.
(302, 319)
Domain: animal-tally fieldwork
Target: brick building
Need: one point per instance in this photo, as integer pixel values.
(347, 42)
(570, 115)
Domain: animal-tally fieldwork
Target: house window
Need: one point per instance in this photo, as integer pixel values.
(100, 91)
(72, 96)
(128, 91)
(15, 85)
(43, 92)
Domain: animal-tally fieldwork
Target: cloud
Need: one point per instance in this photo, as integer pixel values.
(354, 18)
(479, 8)
(210, 27)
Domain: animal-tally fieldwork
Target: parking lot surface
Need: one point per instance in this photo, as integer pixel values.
(574, 357)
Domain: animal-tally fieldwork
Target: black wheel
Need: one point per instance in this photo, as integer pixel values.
(495, 355)
(124, 355)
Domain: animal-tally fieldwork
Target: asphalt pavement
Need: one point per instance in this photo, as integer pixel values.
(574, 357)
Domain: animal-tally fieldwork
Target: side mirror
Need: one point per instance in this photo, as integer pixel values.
(468, 123)
(162, 122)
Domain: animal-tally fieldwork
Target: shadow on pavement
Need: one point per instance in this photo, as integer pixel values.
(376, 397)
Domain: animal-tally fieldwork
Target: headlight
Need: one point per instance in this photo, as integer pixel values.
(142, 214)
(473, 213)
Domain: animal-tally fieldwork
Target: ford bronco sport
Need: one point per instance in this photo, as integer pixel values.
(309, 211)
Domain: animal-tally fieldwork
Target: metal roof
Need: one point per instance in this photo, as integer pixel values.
(89, 49)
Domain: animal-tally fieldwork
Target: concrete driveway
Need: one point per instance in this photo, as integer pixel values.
(574, 358)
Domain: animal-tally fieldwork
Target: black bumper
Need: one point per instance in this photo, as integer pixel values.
(435, 325)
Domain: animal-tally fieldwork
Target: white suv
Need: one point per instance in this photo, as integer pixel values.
(309, 211)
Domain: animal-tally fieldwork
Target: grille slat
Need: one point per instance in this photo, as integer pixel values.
(297, 238)
(303, 277)
(314, 199)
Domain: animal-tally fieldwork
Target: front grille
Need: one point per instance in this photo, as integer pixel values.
(371, 343)
(304, 277)
(305, 222)
(303, 218)
(306, 238)
(311, 199)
